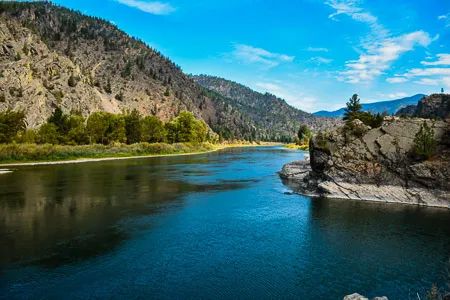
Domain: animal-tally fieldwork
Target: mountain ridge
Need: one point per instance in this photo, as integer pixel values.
(389, 106)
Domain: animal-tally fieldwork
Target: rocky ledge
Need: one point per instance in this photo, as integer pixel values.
(357, 296)
(375, 164)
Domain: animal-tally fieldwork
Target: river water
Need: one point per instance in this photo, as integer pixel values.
(217, 225)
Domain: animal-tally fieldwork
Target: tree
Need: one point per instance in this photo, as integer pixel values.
(11, 123)
(153, 130)
(424, 142)
(48, 134)
(304, 134)
(77, 134)
(96, 127)
(353, 108)
(133, 127)
(186, 128)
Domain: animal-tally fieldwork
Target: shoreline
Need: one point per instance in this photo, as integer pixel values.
(297, 177)
(100, 159)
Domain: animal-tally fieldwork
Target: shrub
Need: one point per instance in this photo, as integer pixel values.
(11, 123)
(48, 134)
(424, 142)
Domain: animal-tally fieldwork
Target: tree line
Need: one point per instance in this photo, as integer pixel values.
(104, 128)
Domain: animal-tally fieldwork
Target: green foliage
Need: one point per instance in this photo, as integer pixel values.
(48, 134)
(11, 123)
(353, 112)
(106, 128)
(133, 127)
(304, 134)
(424, 142)
(167, 92)
(108, 86)
(353, 108)
(153, 130)
(186, 128)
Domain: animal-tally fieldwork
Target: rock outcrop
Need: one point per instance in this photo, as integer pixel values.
(375, 164)
(436, 106)
(357, 296)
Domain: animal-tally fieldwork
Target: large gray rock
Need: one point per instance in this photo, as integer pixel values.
(376, 166)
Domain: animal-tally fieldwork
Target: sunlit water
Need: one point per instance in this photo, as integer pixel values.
(219, 225)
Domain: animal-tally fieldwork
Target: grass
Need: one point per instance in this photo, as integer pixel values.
(30, 153)
(303, 147)
(14, 153)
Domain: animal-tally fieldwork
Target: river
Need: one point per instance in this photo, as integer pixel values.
(217, 225)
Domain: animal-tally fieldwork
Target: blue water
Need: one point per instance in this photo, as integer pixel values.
(212, 226)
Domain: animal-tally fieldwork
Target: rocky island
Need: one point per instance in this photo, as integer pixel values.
(358, 162)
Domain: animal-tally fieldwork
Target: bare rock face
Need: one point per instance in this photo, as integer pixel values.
(436, 106)
(376, 165)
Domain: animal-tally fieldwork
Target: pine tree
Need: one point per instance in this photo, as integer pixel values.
(353, 108)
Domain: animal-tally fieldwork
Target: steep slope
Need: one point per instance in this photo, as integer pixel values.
(51, 56)
(436, 106)
(265, 110)
(391, 107)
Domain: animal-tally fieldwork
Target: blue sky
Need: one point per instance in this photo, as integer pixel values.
(313, 53)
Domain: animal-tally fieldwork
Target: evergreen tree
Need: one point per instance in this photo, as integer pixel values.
(353, 108)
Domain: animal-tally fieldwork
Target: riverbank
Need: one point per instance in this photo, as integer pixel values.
(300, 177)
(32, 154)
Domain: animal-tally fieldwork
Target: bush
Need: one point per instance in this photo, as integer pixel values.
(48, 134)
(11, 123)
(424, 142)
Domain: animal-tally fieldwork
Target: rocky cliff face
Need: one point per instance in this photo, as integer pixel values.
(375, 164)
(436, 106)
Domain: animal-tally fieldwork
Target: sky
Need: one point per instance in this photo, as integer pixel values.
(313, 53)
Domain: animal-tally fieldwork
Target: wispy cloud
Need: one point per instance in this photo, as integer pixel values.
(443, 60)
(250, 54)
(316, 49)
(353, 9)
(397, 79)
(293, 97)
(320, 60)
(151, 7)
(445, 19)
(381, 55)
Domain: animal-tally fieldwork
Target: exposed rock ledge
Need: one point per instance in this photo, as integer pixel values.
(297, 175)
(375, 165)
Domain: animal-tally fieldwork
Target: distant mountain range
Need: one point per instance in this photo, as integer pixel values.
(390, 107)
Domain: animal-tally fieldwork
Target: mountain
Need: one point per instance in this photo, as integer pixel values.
(390, 106)
(265, 110)
(52, 57)
(435, 106)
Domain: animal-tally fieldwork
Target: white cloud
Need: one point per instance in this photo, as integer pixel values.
(381, 55)
(250, 54)
(320, 60)
(316, 49)
(396, 95)
(396, 79)
(294, 98)
(427, 81)
(151, 7)
(443, 60)
(352, 9)
(422, 72)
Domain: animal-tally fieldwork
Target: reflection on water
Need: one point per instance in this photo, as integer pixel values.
(219, 225)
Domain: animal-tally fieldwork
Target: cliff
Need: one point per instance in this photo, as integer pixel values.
(376, 164)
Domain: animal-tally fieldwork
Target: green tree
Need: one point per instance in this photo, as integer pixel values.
(353, 108)
(304, 134)
(133, 127)
(11, 123)
(153, 130)
(77, 134)
(424, 142)
(48, 134)
(97, 126)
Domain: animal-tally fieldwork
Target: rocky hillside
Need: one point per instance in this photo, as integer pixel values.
(51, 56)
(378, 164)
(265, 110)
(390, 107)
(435, 106)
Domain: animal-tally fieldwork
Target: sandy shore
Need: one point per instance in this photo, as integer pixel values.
(85, 160)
